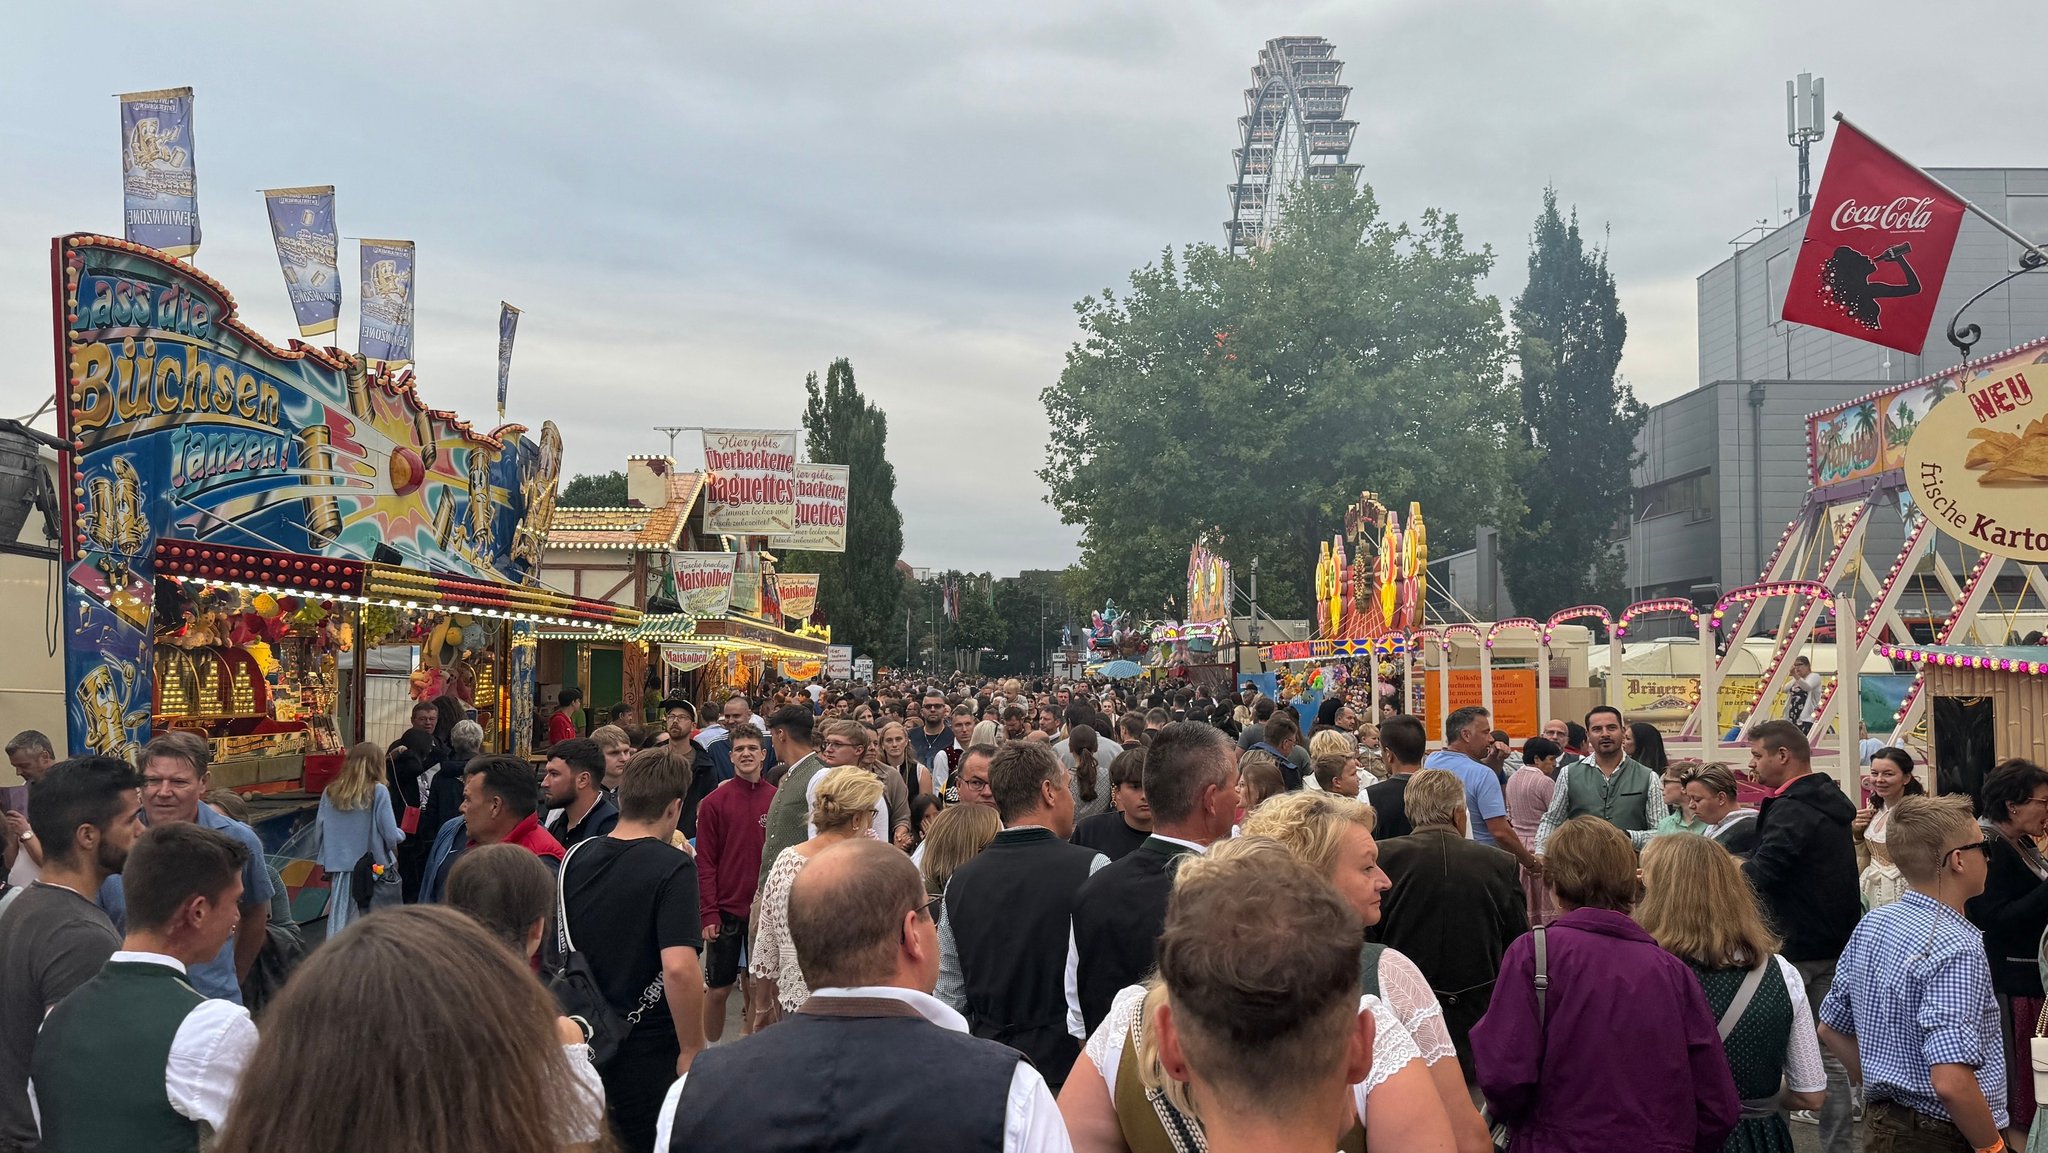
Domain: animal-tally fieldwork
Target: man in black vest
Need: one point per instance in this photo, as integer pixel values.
(1009, 915)
(1191, 784)
(872, 1061)
(136, 1058)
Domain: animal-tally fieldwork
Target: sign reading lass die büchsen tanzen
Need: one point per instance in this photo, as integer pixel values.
(1978, 463)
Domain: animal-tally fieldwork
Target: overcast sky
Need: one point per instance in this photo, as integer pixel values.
(697, 204)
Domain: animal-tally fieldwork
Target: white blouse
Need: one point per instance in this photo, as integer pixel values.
(1392, 1047)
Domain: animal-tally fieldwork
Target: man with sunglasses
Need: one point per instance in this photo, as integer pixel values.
(1911, 1012)
(935, 735)
(1804, 872)
(862, 925)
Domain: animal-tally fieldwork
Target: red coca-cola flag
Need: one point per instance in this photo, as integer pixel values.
(1876, 249)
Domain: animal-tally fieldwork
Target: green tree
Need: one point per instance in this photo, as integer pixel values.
(594, 490)
(859, 588)
(1580, 419)
(1259, 396)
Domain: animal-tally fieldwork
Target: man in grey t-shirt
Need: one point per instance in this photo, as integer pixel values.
(87, 812)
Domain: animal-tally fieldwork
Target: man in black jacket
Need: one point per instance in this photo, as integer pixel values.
(1454, 905)
(1804, 872)
(1191, 784)
(1009, 915)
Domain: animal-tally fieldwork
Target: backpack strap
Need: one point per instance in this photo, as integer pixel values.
(562, 899)
(1542, 974)
(1743, 994)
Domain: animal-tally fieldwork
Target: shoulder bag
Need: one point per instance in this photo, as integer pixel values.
(1502, 1135)
(576, 988)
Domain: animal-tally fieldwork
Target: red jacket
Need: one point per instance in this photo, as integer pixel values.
(528, 834)
(732, 827)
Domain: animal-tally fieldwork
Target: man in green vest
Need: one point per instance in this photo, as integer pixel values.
(136, 1058)
(1609, 784)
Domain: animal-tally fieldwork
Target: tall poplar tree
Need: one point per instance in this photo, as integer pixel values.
(1581, 420)
(858, 589)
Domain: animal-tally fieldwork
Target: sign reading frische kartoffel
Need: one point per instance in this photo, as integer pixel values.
(1978, 463)
(751, 490)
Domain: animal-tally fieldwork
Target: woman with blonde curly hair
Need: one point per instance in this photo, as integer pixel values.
(844, 808)
(1701, 910)
(1118, 1099)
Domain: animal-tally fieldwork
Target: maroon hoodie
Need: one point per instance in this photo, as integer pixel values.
(732, 827)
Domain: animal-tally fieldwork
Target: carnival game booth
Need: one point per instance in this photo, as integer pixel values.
(705, 660)
(1985, 704)
(280, 548)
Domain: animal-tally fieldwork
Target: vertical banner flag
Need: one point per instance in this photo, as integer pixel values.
(799, 594)
(159, 188)
(302, 224)
(820, 509)
(386, 336)
(508, 324)
(752, 489)
(1876, 249)
(703, 582)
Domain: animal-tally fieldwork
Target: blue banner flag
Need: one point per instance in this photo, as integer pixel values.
(387, 303)
(508, 326)
(160, 191)
(302, 224)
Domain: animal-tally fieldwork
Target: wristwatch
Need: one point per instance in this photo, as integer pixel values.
(28, 834)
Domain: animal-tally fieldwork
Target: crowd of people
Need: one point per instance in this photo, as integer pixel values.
(996, 915)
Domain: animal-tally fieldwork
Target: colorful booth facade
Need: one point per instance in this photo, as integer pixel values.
(226, 493)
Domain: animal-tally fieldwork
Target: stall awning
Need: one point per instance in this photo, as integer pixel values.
(263, 570)
(1290, 652)
(2031, 660)
(734, 633)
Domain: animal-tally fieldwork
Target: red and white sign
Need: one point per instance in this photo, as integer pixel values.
(1876, 249)
(752, 485)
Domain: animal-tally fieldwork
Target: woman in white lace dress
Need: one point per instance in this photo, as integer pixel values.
(1118, 1099)
(1889, 779)
(843, 809)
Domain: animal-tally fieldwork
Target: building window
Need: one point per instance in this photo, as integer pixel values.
(1691, 496)
(2028, 216)
(1777, 278)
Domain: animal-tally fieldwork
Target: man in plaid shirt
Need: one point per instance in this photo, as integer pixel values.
(1911, 1014)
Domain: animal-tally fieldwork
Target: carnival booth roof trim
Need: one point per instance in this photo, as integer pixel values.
(186, 426)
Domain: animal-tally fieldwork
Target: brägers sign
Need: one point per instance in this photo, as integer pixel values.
(1978, 463)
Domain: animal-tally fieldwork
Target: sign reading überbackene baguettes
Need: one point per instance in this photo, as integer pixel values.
(1978, 463)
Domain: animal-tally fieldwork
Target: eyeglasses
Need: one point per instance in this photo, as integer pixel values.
(929, 905)
(832, 744)
(1983, 847)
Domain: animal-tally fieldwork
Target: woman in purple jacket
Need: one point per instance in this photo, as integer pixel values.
(1623, 1053)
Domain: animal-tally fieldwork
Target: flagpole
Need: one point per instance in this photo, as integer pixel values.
(1965, 201)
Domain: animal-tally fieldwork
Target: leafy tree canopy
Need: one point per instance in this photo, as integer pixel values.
(594, 490)
(858, 589)
(1259, 396)
(1581, 420)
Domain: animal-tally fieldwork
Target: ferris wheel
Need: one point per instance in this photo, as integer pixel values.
(1293, 130)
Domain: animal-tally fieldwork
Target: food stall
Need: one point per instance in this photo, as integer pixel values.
(254, 533)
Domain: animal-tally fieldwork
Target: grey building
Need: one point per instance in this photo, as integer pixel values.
(1724, 466)
(1741, 337)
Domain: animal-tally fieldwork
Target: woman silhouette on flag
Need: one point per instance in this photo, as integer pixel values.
(1846, 282)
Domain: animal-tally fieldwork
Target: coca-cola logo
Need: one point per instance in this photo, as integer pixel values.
(1906, 214)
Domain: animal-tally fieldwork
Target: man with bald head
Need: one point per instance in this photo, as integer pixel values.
(874, 1048)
